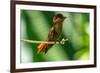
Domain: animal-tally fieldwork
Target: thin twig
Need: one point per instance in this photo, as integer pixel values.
(50, 42)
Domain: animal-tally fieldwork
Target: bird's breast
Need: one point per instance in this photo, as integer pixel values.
(58, 28)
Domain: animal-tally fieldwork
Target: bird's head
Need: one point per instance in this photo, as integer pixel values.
(58, 18)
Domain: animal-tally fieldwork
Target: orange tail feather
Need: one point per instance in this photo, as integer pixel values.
(41, 47)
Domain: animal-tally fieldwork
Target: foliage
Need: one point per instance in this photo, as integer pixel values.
(35, 25)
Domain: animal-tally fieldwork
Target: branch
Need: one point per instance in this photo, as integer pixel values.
(51, 42)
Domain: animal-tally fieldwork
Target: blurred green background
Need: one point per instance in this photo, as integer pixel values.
(35, 25)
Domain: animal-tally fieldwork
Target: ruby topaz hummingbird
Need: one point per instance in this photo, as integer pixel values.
(54, 33)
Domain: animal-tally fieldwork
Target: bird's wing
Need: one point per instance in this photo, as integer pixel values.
(44, 46)
(51, 34)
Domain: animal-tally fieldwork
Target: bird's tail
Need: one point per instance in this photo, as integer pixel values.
(41, 47)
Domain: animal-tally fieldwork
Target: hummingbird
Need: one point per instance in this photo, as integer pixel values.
(53, 34)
